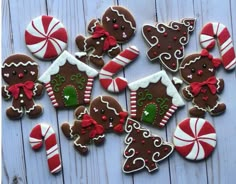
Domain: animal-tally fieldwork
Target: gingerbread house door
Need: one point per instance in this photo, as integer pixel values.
(70, 96)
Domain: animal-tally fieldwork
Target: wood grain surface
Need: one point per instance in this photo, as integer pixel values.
(20, 164)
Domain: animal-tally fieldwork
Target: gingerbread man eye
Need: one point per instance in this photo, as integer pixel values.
(204, 65)
(111, 119)
(102, 111)
(25, 71)
(14, 72)
(193, 70)
(114, 20)
(123, 27)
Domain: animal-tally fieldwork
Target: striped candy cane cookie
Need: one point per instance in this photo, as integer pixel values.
(216, 30)
(106, 74)
(45, 131)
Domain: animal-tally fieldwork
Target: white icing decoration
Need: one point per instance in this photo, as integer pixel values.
(131, 151)
(154, 78)
(107, 105)
(177, 80)
(60, 61)
(32, 72)
(99, 137)
(93, 27)
(96, 56)
(17, 109)
(30, 109)
(190, 76)
(66, 97)
(113, 48)
(35, 89)
(95, 109)
(83, 113)
(80, 54)
(211, 69)
(71, 131)
(107, 19)
(190, 62)
(110, 124)
(102, 38)
(124, 35)
(19, 64)
(6, 91)
(146, 113)
(213, 108)
(218, 84)
(6, 75)
(121, 15)
(97, 42)
(189, 93)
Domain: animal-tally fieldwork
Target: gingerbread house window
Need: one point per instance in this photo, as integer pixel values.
(154, 99)
(68, 81)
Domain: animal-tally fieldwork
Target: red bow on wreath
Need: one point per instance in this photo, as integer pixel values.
(197, 86)
(88, 121)
(119, 128)
(110, 41)
(27, 87)
(216, 61)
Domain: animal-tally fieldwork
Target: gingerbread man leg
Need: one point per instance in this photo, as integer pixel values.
(217, 108)
(15, 111)
(81, 43)
(33, 110)
(99, 139)
(198, 110)
(80, 144)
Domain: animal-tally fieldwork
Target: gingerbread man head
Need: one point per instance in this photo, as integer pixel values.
(19, 68)
(107, 112)
(198, 67)
(119, 23)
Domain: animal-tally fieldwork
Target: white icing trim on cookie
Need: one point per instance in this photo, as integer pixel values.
(30, 109)
(35, 89)
(107, 105)
(96, 56)
(16, 109)
(213, 108)
(83, 113)
(218, 84)
(80, 54)
(6, 91)
(190, 62)
(189, 93)
(99, 137)
(60, 61)
(19, 64)
(113, 48)
(93, 27)
(154, 78)
(177, 80)
(121, 15)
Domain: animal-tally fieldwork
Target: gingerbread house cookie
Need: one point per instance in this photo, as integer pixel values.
(68, 81)
(154, 99)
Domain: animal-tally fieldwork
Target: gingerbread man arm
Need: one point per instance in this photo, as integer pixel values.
(220, 85)
(186, 93)
(38, 89)
(114, 51)
(71, 131)
(5, 93)
(92, 24)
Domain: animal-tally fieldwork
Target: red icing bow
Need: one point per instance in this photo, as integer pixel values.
(109, 40)
(88, 121)
(27, 87)
(197, 86)
(216, 61)
(119, 128)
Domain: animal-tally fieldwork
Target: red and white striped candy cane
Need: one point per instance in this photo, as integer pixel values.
(117, 84)
(45, 131)
(216, 30)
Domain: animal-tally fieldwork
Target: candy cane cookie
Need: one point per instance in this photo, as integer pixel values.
(216, 30)
(45, 131)
(106, 74)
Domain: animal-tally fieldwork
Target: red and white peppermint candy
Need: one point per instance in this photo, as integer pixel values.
(216, 30)
(46, 37)
(194, 138)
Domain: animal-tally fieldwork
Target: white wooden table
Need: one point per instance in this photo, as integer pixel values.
(20, 164)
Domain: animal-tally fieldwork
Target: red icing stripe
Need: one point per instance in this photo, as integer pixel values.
(185, 126)
(46, 20)
(31, 39)
(223, 36)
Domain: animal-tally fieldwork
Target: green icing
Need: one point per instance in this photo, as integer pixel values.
(142, 96)
(70, 96)
(79, 80)
(149, 113)
(57, 82)
(163, 106)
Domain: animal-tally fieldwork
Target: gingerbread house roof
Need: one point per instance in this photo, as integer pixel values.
(154, 78)
(60, 61)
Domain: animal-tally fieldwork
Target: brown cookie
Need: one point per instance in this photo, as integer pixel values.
(116, 26)
(198, 70)
(143, 149)
(167, 41)
(20, 72)
(154, 99)
(68, 81)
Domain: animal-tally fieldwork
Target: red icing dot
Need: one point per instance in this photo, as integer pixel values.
(127, 166)
(178, 29)
(138, 131)
(148, 151)
(146, 160)
(104, 118)
(136, 152)
(153, 165)
(158, 45)
(169, 47)
(134, 140)
(191, 23)
(155, 53)
(153, 138)
(181, 48)
(174, 38)
(184, 33)
(165, 149)
(173, 64)
(126, 152)
(130, 122)
(143, 141)
(148, 29)
(165, 34)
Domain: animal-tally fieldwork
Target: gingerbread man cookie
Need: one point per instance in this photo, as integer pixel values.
(116, 26)
(20, 72)
(83, 131)
(198, 70)
(143, 149)
(167, 41)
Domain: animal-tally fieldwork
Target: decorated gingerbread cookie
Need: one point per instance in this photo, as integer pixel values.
(154, 99)
(198, 70)
(116, 26)
(46, 37)
(20, 72)
(143, 148)
(167, 41)
(84, 131)
(68, 81)
(106, 111)
(216, 30)
(44, 131)
(194, 138)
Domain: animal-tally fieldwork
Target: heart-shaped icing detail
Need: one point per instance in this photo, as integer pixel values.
(203, 90)
(6, 74)
(205, 98)
(67, 97)
(95, 109)
(32, 73)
